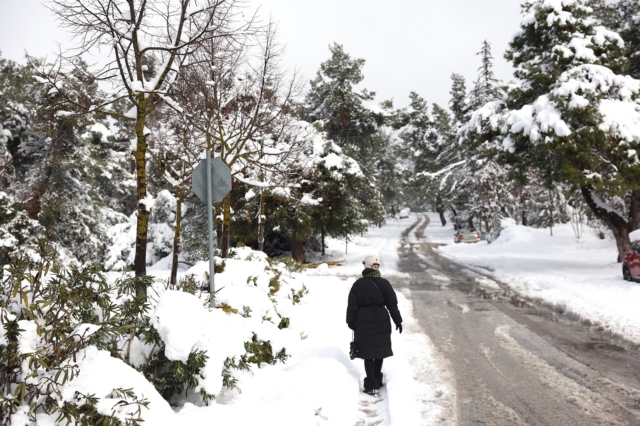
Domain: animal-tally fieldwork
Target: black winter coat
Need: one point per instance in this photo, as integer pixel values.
(368, 317)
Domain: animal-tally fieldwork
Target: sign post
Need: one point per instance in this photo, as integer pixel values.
(211, 182)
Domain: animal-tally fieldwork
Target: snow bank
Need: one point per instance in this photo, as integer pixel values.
(318, 385)
(578, 276)
(100, 374)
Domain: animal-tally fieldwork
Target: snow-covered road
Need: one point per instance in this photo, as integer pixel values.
(418, 387)
(515, 363)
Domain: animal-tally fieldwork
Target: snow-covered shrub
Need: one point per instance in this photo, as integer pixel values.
(18, 233)
(73, 339)
(194, 244)
(161, 227)
(122, 235)
(289, 263)
(121, 239)
(250, 326)
(55, 323)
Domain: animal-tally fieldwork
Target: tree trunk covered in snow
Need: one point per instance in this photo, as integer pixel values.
(297, 247)
(614, 221)
(176, 238)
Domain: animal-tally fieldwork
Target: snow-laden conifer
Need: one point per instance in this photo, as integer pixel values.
(574, 119)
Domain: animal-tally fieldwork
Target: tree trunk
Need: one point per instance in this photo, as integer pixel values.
(524, 218)
(322, 240)
(225, 226)
(176, 239)
(618, 225)
(140, 264)
(550, 211)
(261, 224)
(470, 223)
(346, 119)
(297, 247)
(442, 218)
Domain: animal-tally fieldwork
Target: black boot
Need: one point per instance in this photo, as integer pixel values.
(379, 378)
(370, 386)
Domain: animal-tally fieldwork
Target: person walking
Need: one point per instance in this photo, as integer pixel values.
(369, 319)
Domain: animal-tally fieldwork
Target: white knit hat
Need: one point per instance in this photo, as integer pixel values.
(370, 260)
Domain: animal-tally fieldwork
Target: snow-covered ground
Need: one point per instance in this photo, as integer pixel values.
(579, 276)
(319, 384)
(300, 312)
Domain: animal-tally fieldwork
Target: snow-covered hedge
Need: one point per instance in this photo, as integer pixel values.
(78, 345)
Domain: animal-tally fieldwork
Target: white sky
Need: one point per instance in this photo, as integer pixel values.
(409, 45)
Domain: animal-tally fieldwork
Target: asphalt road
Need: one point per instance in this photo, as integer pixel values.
(514, 362)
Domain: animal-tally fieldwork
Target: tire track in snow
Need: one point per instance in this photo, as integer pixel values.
(591, 404)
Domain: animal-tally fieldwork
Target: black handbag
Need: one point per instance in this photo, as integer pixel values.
(353, 347)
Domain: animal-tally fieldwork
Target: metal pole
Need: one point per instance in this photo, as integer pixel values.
(212, 286)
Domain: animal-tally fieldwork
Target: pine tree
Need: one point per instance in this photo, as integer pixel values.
(487, 87)
(622, 16)
(333, 101)
(562, 121)
(458, 103)
(417, 125)
(555, 37)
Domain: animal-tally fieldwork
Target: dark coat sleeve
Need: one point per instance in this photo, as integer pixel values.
(391, 301)
(352, 308)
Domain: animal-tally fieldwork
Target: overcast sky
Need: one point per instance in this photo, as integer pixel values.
(409, 45)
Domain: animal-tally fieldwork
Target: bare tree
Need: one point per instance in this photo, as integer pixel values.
(237, 95)
(147, 43)
(175, 155)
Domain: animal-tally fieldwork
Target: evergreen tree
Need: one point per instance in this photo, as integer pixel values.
(487, 192)
(333, 101)
(562, 121)
(417, 127)
(458, 103)
(16, 113)
(555, 37)
(487, 87)
(622, 16)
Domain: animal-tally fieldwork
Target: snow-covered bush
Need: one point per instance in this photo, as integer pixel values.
(56, 323)
(18, 233)
(72, 339)
(161, 227)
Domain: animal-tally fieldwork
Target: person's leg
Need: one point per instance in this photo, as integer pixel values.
(370, 383)
(377, 371)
